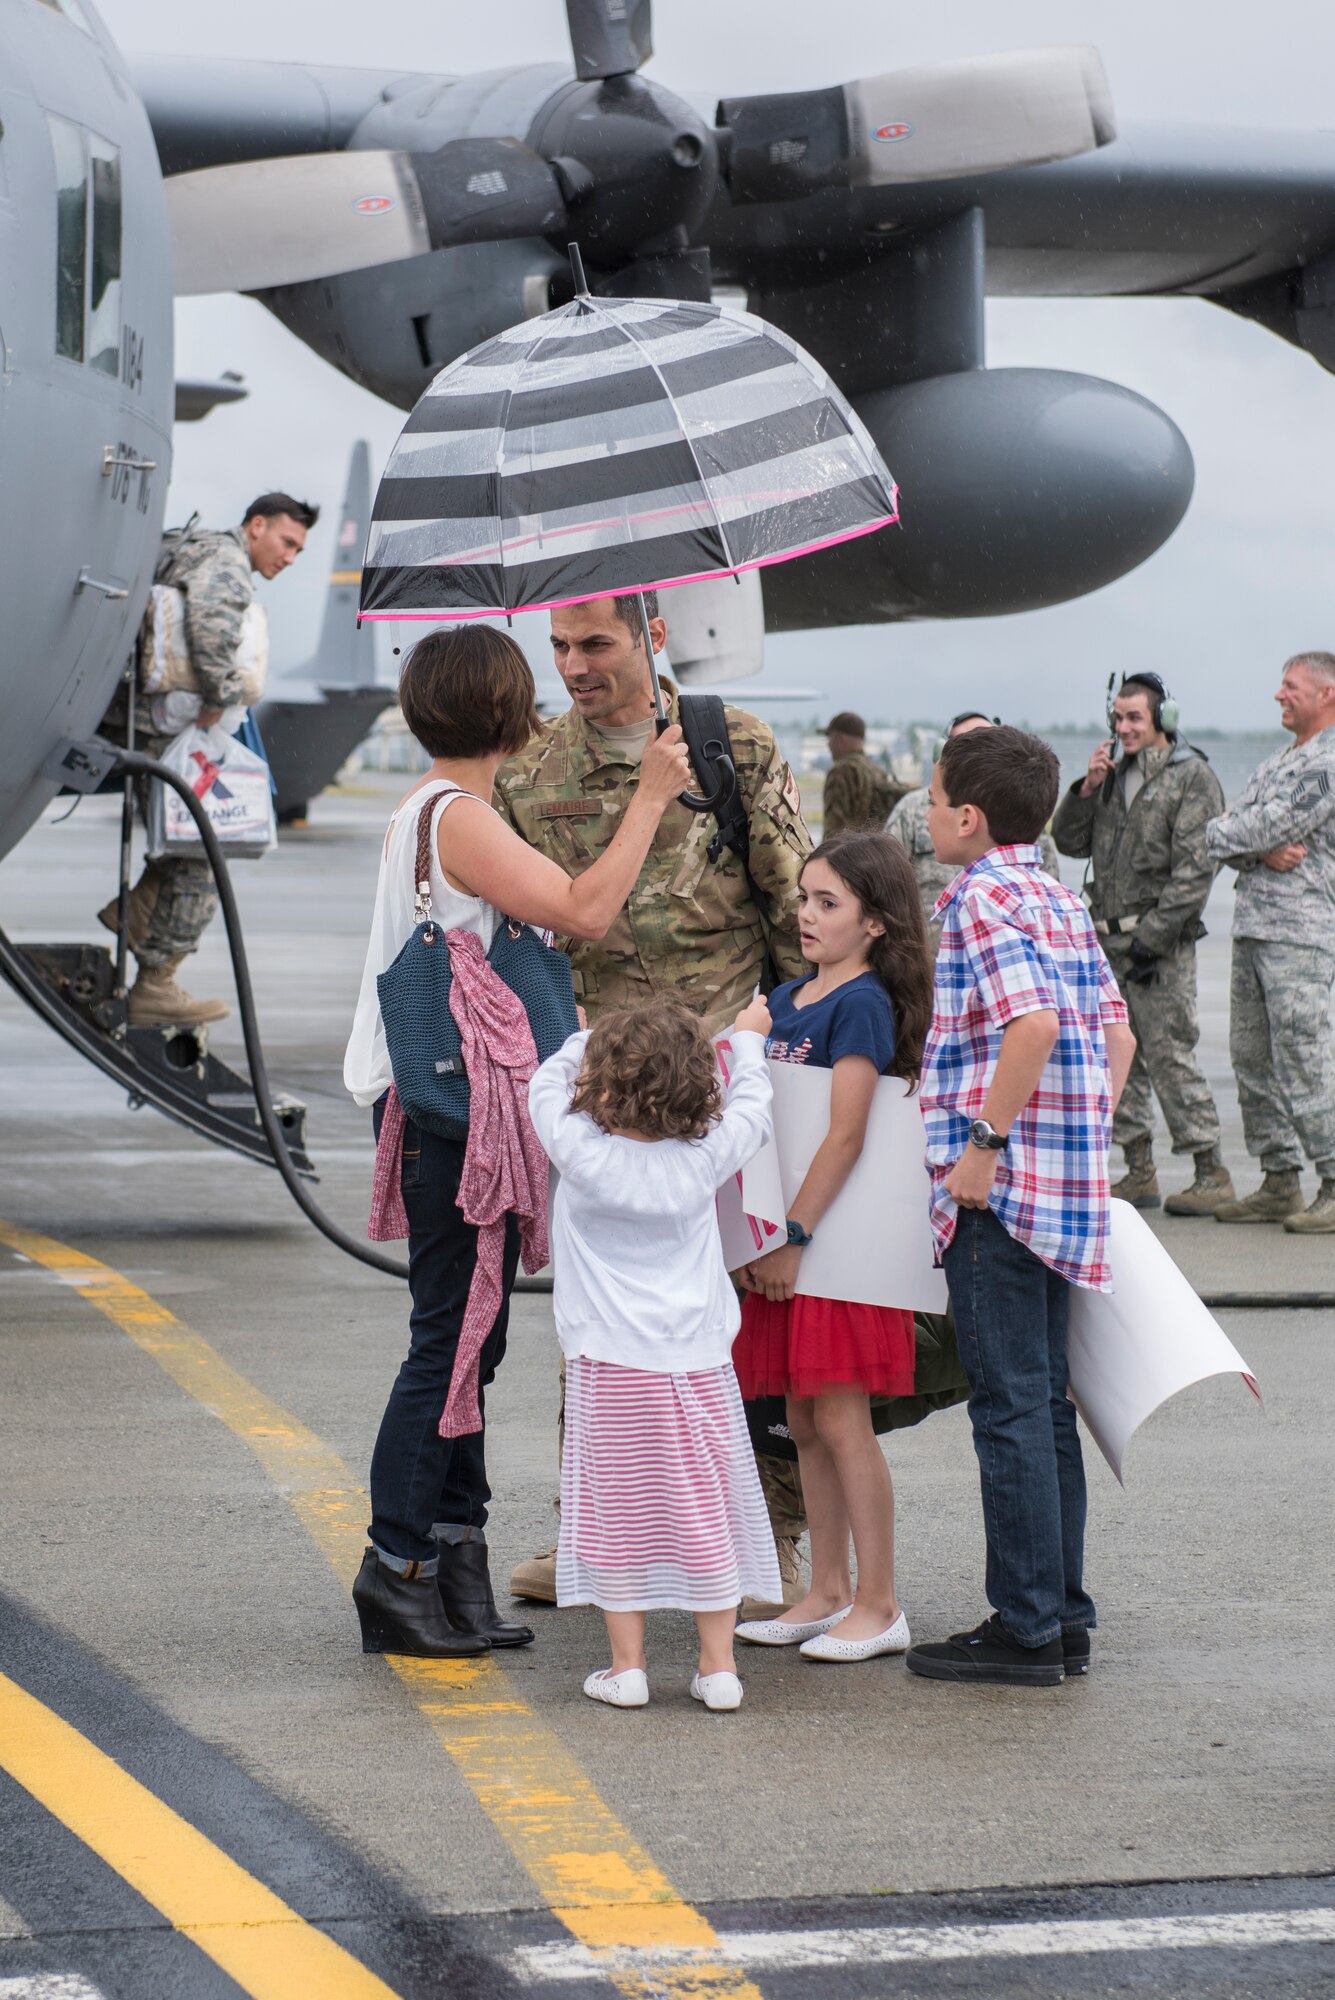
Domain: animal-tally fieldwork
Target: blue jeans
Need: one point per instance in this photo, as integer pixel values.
(1010, 1321)
(419, 1478)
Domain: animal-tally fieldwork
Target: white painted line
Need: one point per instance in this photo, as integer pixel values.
(49, 1986)
(919, 1944)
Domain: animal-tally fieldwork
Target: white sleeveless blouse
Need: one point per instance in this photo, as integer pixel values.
(367, 1071)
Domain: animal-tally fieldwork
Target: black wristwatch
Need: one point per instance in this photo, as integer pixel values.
(796, 1234)
(986, 1136)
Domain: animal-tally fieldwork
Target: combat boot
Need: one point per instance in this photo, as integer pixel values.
(143, 900)
(1319, 1219)
(535, 1580)
(156, 1001)
(1139, 1184)
(790, 1575)
(1212, 1187)
(1279, 1195)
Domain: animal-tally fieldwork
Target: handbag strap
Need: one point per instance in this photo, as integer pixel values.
(422, 873)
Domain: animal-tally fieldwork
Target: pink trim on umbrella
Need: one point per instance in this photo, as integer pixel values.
(671, 583)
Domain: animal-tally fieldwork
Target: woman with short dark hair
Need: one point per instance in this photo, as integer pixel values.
(467, 696)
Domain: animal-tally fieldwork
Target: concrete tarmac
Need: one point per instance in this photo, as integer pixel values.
(170, 1592)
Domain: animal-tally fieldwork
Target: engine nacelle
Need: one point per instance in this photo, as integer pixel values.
(716, 629)
(1019, 488)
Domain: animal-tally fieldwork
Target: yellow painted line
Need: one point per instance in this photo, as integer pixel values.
(271, 1952)
(589, 1868)
(346, 576)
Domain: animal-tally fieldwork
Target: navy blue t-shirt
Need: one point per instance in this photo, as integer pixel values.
(854, 1020)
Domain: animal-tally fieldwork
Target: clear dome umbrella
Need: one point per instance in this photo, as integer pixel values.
(610, 447)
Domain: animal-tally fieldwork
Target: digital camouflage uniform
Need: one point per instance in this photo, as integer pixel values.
(1284, 956)
(858, 796)
(1151, 873)
(908, 823)
(690, 926)
(212, 568)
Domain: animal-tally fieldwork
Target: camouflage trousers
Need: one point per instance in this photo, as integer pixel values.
(1166, 1027)
(1279, 1036)
(186, 898)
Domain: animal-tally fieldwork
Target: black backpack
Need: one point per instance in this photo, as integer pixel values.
(704, 724)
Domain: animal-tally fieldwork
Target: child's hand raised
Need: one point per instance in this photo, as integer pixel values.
(754, 1017)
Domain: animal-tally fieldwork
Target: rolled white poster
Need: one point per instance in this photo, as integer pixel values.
(1130, 1349)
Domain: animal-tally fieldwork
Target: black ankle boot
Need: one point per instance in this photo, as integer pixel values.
(403, 1614)
(465, 1592)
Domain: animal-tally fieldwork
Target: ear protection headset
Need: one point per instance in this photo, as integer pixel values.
(1165, 712)
(965, 715)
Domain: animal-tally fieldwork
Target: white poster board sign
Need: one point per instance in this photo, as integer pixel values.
(1130, 1349)
(874, 1244)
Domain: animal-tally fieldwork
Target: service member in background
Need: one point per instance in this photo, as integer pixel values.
(174, 901)
(693, 926)
(1280, 837)
(1141, 819)
(908, 823)
(859, 793)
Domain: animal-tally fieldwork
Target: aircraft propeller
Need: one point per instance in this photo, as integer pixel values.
(627, 167)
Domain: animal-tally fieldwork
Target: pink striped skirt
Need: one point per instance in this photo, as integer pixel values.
(661, 1504)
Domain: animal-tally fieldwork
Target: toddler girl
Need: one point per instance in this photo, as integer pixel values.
(660, 1500)
(862, 1013)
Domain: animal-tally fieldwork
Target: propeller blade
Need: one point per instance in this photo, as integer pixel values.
(977, 115)
(244, 228)
(609, 37)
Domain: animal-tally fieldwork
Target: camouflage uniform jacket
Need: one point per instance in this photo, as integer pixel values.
(1149, 858)
(1291, 798)
(908, 823)
(690, 925)
(858, 795)
(212, 567)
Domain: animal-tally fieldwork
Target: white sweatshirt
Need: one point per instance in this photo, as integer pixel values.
(639, 1273)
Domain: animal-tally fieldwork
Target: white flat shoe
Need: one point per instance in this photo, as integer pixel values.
(829, 1646)
(629, 1689)
(717, 1690)
(782, 1632)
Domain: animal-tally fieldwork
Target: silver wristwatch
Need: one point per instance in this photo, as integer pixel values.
(986, 1136)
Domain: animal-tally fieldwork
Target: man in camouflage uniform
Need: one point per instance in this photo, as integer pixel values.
(1280, 837)
(174, 900)
(908, 824)
(858, 794)
(691, 926)
(1142, 821)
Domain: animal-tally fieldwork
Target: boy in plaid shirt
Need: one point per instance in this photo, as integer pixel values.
(1028, 1051)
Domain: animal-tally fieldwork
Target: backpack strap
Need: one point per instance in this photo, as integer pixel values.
(704, 724)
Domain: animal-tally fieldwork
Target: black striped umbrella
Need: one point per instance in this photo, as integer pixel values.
(615, 445)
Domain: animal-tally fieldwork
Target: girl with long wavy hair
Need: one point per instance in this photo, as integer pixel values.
(863, 1013)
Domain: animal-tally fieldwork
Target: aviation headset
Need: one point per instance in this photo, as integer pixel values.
(1165, 711)
(965, 715)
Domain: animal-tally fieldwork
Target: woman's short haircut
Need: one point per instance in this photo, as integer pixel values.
(467, 691)
(1011, 777)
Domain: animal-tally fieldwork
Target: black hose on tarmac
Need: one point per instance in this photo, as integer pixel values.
(131, 760)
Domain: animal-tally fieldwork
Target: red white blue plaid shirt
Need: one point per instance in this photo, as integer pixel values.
(1014, 941)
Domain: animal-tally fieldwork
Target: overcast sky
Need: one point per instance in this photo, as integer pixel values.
(1246, 580)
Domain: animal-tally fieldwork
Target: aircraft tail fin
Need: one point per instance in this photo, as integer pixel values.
(345, 657)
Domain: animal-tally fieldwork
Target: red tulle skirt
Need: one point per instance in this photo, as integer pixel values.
(808, 1347)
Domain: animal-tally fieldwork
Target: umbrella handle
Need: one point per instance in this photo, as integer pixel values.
(701, 802)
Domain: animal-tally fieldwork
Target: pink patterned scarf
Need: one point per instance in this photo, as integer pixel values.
(505, 1168)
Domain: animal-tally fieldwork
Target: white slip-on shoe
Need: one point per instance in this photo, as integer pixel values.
(829, 1646)
(628, 1689)
(782, 1632)
(718, 1691)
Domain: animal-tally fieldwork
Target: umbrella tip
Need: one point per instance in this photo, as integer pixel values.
(577, 270)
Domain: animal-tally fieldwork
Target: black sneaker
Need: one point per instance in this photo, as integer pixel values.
(988, 1654)
(1075, 1651)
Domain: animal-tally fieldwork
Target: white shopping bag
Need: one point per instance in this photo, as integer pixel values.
(232, 785)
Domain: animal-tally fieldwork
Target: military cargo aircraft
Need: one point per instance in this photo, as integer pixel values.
(391, 220)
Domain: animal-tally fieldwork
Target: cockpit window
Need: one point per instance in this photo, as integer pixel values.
(88, 246)
(104, 269)
(71, 235)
